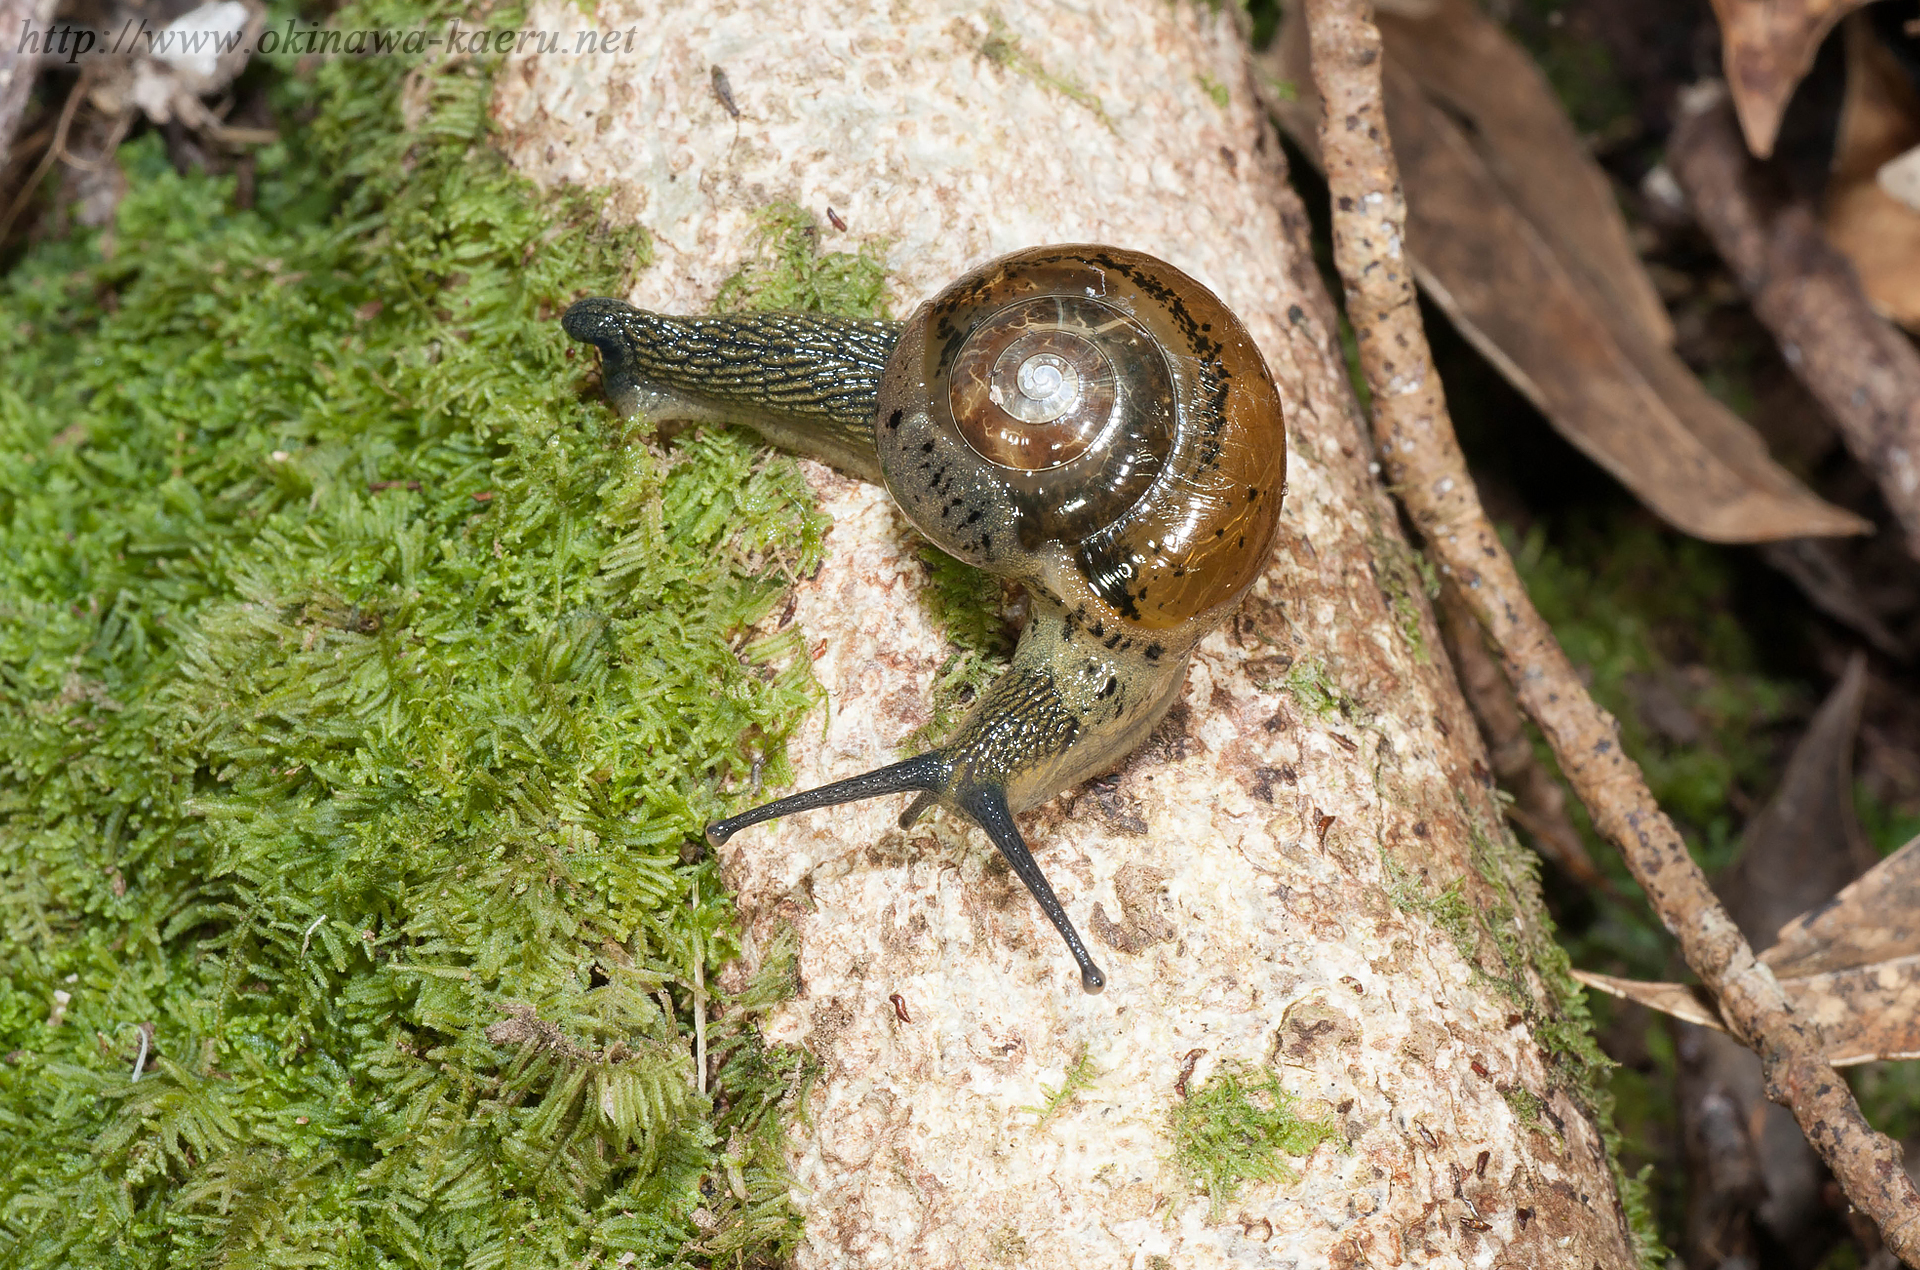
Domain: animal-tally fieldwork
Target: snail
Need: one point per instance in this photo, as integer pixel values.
(1088, 421)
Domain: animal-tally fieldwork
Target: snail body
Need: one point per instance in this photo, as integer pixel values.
(1085, 420)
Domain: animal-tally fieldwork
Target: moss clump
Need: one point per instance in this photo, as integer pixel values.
(1312, 689)
(788, 271)
(1525, 1105)
(967, 603)
(363, 684)
(1535, 974)
(1449, 909)
(1239, 1127)
(1401, 571)
(1650, 620)
(1079, 1077)
(1577, 64)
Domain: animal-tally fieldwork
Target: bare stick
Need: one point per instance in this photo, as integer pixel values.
(1423, 460)
(1864, 372)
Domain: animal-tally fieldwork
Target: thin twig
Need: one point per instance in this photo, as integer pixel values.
(108, 148)
(1423, 459)
(1864, 372)
(75, 96)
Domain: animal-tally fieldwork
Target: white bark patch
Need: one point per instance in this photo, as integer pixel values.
(1252, 831)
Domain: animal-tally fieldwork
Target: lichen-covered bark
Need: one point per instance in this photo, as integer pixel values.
(1267, 880)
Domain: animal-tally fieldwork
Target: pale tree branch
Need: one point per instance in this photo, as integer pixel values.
(1415, 438)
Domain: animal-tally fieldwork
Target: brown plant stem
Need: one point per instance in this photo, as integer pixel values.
(1863, 371)
(1423, 460)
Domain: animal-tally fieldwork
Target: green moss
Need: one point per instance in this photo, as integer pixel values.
(1312, 689)
(1525, 1105)
(1535, 974)
(1403, 571)
(1889, 1095)
(1449, 909)
(1887, 825)
(748, 1213)
(1578, 66)
(1649, 619)
(1557, 1014)
(1287, 90)
(1356, 374)
(1079, 1077)
(1214, 89)
(1239, 1127)
(1003, 48)
(787, 270)
(363, 689)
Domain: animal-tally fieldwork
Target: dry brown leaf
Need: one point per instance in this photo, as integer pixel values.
(1875, 919)
(1466, 63)
(1606, 384)
(1767, 47)
(1900, 177)
(1685, 1001)
(1868, 222)
(1865, 1014)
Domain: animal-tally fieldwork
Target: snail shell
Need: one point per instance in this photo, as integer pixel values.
(1086, 420)
(1094, 410)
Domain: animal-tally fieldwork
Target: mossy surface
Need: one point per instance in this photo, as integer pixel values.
(1241, 1126)
(1313, 689)
(363, 687)
(1509, 940)
(1649, 619)
(787, 270)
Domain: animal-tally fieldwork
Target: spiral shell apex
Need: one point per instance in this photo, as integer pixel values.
(1101, 404)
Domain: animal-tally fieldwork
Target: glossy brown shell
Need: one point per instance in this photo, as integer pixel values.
(1165, 489)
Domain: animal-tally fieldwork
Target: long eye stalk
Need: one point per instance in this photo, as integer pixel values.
(936, 778)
